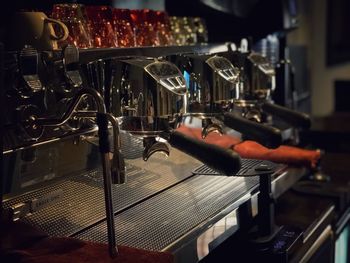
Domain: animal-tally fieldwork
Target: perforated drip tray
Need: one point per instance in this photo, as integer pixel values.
(162, 202)
(82, 204)
(163, 219)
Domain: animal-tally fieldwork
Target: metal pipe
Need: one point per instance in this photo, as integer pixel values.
(107, 182)
(71, 108)
(118, 170)
(104, 149)
(102, 122)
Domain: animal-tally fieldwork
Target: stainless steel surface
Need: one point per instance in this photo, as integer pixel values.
(286, 178)
(248, 109)
(168, 75)
(36, 144)
(71, 65)
(108, 170)
(88, 55)
(317, 244)
(108, 198)
(148, 87)
(83, 204)
(212, 127)
(262, 80)
(154, 145)
(19, 210)
(171, 215)
(315, 227)
(343, 220)
(29, 60)
(99, 103)
(212, 82)
(117, 164)
(224, 68)
(189, 217)
(218, 232)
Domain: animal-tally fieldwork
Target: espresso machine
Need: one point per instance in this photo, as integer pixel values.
(149, 95)
(49, 109)
(254, 97)
(56, 123)
(52, 164)
(214, 86)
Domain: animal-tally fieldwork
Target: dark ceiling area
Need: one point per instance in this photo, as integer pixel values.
(247, 18)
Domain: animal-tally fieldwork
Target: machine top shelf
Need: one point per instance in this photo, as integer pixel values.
(93, 54)
(87, 55)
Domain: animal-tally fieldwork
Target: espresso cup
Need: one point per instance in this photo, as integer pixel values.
(37, 30)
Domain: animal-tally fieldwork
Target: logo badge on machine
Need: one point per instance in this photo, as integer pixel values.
(46, 200)
(21, 210)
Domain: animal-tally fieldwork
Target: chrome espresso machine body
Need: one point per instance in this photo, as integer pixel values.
(150, 95)
(38, 89)
(51, 107)
(53, 168)
(254, 97)
(215, 85)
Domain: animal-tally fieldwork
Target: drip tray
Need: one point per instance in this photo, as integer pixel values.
(82, 204)
(163, 219)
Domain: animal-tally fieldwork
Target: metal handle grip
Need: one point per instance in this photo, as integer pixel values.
(294, 118)
(266, 135)
(224, 161)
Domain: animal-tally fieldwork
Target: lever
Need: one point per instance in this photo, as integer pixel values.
(71, 65)
(224, 161)
(29, 63)
(266, 135)
(292, 117)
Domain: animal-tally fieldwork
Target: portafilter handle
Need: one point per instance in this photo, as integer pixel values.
(292, 117)
(266, 135)
(224, 161)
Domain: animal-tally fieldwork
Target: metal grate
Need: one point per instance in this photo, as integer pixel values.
(83, 198)
(131, 145)
(164, 218)
(246, 165)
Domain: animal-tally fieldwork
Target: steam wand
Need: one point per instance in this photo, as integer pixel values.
(114, 172)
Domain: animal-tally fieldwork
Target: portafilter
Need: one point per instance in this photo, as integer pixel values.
(214, 86)
(257, 84)
(149, 98)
